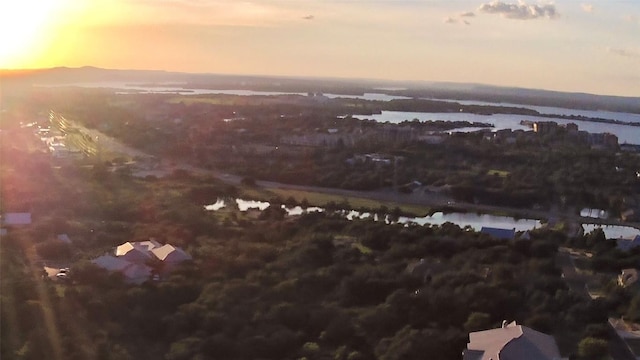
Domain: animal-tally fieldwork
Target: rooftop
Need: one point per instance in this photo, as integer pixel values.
(511, 342)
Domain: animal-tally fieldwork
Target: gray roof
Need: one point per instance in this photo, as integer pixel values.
(17, 219)
(498, 233)
(628, 244)
(512, 342)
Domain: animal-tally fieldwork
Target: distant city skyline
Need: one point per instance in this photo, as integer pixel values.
(590, 46)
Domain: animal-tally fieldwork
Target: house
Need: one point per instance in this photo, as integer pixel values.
(137, 273)
(142, 251)
(525, 235)
(511, 342)
(498, 233)
(628, 244)
(169, 254)
(628, 277)
(23, 218)
(132, 259)
(64, 238)
(629, 215)
(133, 273)
(111, 263)
(594, 213)
(133, 252)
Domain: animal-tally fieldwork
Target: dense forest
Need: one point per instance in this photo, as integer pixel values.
(516, 169)
(270, 286)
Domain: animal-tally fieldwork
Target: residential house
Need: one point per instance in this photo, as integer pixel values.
(13, 219)
(629, 215)
(628, 277)
(111, 263)
(170, 256)
(511, 342)
(64, 238)
(498, 233)
(132, 259)
(628, 244)
(133, 273)
(133, 252)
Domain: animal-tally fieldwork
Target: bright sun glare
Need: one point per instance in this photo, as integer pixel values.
(24, 26)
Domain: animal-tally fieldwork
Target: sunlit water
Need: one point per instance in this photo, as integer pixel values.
(475, 221)
(625, 133)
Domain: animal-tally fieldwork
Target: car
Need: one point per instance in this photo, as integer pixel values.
(63, 271)
(62, 276)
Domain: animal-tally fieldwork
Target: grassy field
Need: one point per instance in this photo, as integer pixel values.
(321, 199)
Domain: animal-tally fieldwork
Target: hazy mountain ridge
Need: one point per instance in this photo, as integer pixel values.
(435, 90)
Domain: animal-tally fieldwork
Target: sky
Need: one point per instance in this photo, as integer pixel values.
(580, 46)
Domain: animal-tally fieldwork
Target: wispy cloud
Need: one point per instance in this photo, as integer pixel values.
(520, 10)
(309, 17)
(628, 53)
(468, 14)
(455, 20)
(632, 19)
(587, 7)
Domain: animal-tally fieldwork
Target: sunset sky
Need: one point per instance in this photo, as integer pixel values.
(591, 46)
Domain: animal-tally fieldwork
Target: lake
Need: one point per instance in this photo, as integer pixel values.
(475, 221)
(124, 88)
(550, 110)
(625, 133)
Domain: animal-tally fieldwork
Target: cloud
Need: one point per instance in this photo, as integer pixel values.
(468, 14)
(455, 20)
(519, 11)
(628, 53)
(632, 19)
(587, 7)
(309, 17)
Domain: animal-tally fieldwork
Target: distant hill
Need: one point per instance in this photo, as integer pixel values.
(434, 90)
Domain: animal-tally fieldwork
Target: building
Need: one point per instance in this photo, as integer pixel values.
(139, 261)
(64, 238)
(12, 219)
(498, 233)
(572, 127)
(545, 127)
(133, 252)
(511, 342)
(628, 244)
(628, 277)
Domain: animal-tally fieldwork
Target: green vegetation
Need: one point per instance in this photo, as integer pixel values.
(264, 285)
(288, 140)
(350, 202)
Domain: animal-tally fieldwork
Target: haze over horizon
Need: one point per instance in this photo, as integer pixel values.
(574, 46)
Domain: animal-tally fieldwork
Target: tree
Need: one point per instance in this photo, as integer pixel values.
(595, 237)
(592, 348)
(477, 321)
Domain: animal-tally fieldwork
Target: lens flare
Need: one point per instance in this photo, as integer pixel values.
(24, 27)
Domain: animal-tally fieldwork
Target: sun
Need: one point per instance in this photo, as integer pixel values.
(24, 27)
